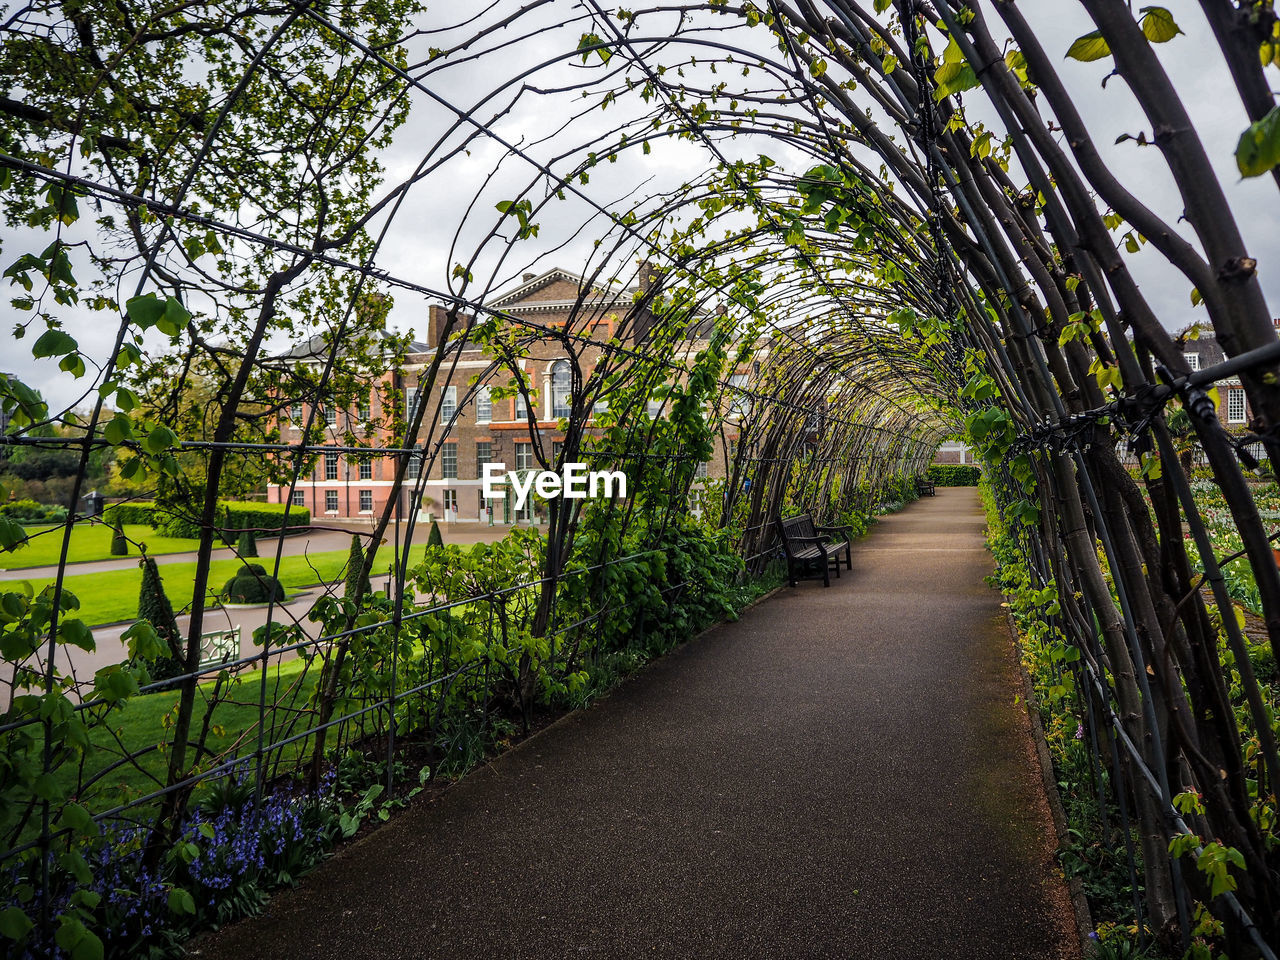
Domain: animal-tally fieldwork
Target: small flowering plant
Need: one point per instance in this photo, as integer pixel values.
(225, 860)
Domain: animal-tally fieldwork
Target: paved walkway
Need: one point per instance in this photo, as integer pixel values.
(845, 772)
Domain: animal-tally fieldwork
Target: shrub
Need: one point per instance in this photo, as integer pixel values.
(954, 475)
(247, 545)
(252, 585)
(357, 583)
(119, 545)
(155, 608)
(232, 518)
(139, 512)
(28, 511)
(433, 538)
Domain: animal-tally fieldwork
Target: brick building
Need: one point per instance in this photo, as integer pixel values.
(483, 429)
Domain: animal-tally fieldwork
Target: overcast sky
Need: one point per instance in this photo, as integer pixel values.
(460, 197)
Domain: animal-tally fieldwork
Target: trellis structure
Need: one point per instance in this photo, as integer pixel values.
(902, 275)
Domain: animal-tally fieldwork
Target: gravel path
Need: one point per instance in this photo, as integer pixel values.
(845, 772)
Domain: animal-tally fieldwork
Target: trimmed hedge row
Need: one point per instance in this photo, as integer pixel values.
(28, 511)
(232, 518)
(954, 475)
(139, 512)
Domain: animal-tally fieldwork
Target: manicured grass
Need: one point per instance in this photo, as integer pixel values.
(89, 541)
(113, 596)
(138, 726)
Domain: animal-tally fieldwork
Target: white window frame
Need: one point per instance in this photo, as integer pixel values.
(484, 406)
(299, 498)
(1235, 405)
(449, 461)
(1193, 360)
(524, 452)
(331, 496)
(448, 404)
(366, 495)
(331, 466)
(365, 471)
(561, 393)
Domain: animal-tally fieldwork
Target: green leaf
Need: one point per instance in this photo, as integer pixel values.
(181, 902)
(53, 343)
(1158, 25)
(118, 429)
(78, 634)
(11, 534)
(1259, 147)
(1090, 47)
(79, 819)
(145, 311)
(14, 924)
(174, 319)
(953, 78)
(160, 439)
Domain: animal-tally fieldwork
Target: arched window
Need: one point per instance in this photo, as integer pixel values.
(561, 388)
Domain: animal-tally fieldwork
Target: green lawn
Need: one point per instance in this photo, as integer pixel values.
(89, 541)
(138, 727)
(113, 596)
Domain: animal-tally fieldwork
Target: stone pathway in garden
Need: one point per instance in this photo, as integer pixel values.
(845, 772)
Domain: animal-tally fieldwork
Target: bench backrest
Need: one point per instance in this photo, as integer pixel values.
(795, 527)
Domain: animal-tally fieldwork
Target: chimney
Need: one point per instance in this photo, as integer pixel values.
(436, 317)
(527, 277)
(650, 276)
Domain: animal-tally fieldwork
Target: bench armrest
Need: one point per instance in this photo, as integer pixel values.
(843, 529)
(804, 539)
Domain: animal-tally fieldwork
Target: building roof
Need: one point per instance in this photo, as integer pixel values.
(316, 348)
(513, 301)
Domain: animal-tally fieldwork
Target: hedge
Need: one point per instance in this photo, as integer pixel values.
(954, 475)
(28, 511)
(232, 517)
(137, 512)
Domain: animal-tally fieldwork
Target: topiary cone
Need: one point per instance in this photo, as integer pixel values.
(119, 545)
(357, 583)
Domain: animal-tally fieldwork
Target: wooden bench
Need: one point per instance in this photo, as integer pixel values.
(924, 487)
(808, 547)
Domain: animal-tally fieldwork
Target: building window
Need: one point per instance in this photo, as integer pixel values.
(364, 409)
(410, 402)
(524, 456)
(522, 408)
(739, 402)
(366, 469)
(295, 414)
(599, 407)
(557, 448)
(450, 499)
(701, 472)
(1193, 360)
(484, 454)
(1235, 405)
(448, 404)
(330, 415)
(653, 408)
(561, 388)
(299, 498)
(484, 406)
(366, 501)
(331, 466)
(331, 501)
(414, 470)
(449, 461)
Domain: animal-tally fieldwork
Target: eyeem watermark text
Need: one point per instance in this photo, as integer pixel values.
(576, 482)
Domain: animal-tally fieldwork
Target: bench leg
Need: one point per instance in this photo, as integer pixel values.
(826, 574)
(848, 557)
